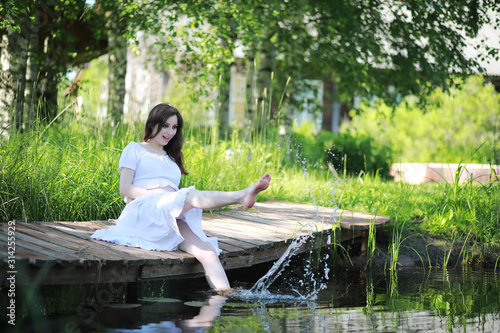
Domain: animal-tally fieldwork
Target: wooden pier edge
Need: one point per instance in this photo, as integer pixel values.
(56, 253)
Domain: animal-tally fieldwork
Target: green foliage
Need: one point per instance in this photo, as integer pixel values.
(92, 86)
(442, 209)
(194, 111)
(60, 173)
(10, 9)
(68, 171)
(449, 130)
(422, 44)
(347, 152)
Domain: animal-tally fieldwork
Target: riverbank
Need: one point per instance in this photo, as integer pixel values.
(69, 173)
(420, 249)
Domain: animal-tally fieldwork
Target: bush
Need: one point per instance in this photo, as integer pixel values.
(450, 129)
(356, 154)
(348, 153)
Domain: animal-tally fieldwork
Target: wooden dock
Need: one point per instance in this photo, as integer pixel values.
(63, 253)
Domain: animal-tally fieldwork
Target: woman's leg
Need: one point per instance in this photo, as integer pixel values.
(206, 255)
(208, 314)
(218, 199)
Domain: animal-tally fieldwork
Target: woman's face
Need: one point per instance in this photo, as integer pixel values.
(167, 131)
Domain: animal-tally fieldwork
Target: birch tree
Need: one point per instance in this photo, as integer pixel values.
(117, 55)
(40, 42)
(13, 58)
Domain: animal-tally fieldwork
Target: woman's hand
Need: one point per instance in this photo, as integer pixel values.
(129, 190)
(167, 189)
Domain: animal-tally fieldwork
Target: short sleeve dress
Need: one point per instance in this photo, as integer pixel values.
(150, 221)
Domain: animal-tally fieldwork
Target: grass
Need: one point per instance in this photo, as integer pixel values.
(68, 171)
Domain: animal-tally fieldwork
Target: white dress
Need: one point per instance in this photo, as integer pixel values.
(150, 221)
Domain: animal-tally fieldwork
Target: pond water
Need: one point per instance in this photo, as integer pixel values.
(349, 300)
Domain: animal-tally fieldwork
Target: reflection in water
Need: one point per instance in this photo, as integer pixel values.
(416, 300)
(205, 318)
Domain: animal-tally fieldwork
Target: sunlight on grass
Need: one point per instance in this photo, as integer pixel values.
(68, 171)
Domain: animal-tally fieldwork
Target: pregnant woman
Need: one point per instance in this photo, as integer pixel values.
(159, 215)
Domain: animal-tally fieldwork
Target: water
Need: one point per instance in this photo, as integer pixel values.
(414, 300)
(310, 292)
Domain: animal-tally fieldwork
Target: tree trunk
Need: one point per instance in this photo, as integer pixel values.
(265, 68)
(117, 46)
(4, 110)
(328, 104)
(227, 41)
(251, 95)
(13, 74)
(32, 71)
(223, 107)
(48, 79)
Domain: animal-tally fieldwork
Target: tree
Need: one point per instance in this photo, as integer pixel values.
(50, 37)
(368, 48)
(195, 39)
(364, 47)
(117, 46)
(413, 46)
(15, 39)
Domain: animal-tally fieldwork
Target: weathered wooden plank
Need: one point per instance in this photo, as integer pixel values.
(259, 221)
(285, 229)
(257, 243)
(89, 227)
(62, 252)
(347, 219)
(234, 233)
(297, 211)
(132, 253)
(227, 247)
(71, 244)
(57, 253)
(282, 229)
(263, 235)
(263, 220)
(86, 248)
(266, 218)
(149, 257)
(23, 254)
(113, 252)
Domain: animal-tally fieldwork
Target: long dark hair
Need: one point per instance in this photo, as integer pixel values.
(158, 116)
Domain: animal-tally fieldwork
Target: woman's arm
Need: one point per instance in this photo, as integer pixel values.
(129, 190)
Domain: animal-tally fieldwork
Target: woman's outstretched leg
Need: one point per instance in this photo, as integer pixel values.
(218, 199)
(206, 255)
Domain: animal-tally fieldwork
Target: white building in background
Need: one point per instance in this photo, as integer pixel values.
(491, 37)
(237, 97)
(145, 86)
(311, 104)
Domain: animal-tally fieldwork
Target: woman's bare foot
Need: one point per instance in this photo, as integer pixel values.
(252, 191)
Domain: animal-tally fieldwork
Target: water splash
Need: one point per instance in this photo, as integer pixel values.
(260, 288)
(311, 282)
(315, 274)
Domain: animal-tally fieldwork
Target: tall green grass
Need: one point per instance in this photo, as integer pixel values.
(68, 171)
(61, 172)
(466, 215)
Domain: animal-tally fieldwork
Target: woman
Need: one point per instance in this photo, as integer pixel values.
(159, 215)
